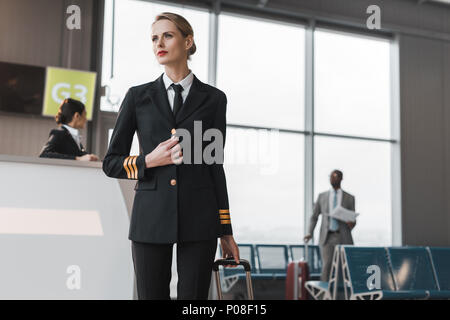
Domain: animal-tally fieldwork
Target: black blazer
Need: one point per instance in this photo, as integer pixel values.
(172, 203)
(61, 145)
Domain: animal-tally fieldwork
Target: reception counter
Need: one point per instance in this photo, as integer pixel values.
(63, 231)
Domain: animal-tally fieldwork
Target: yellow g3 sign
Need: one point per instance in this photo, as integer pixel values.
(66, 83)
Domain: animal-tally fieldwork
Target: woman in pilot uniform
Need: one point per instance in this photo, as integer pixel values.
(65, 141)
(177, 200)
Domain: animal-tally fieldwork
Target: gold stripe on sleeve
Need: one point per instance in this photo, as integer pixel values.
(225, 221)
(135, 168)
(224, 210)
(126, 167)
(130, 159)
(224, 216)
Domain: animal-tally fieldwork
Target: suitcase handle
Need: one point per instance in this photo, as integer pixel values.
(231, 261)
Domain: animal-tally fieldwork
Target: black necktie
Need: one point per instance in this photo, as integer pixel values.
(178, 101)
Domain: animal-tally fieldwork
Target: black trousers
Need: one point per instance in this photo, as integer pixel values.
(153, 269)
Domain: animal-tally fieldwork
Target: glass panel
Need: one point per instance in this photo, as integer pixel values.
(352, 85)
(261, 69)
(366, 167)
(265, 179)
(272, 258)
(134, 150)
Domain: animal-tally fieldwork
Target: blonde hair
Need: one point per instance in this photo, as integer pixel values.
(183, 25)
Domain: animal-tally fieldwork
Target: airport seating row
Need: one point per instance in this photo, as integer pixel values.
(374, 273)
(269, 261)
(269, 264)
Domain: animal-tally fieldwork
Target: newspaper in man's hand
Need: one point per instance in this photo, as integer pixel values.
(343, 214)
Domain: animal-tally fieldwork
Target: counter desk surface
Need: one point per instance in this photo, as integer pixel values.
(57, 162)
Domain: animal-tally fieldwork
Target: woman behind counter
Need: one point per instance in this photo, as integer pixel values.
(65, 141)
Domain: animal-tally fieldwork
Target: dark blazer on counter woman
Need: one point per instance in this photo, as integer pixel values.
(172, 203)
(61, 145)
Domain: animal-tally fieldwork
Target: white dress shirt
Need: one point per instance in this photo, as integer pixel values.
(185, 83)
(331, 198)
(75, 134)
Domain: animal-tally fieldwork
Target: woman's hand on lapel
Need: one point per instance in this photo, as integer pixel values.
(229, 249)
(167, 152)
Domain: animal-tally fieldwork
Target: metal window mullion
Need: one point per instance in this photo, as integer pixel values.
(113, 39)
(212, 73)
(332, 135)
(309, 124)
(213, 41)
(396, 191)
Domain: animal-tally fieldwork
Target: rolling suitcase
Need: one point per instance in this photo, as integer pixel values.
(230, 261)
(296, 276)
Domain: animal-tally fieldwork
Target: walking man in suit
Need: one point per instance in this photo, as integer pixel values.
(332, 231)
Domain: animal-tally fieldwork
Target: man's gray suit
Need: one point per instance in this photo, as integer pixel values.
(328, 240)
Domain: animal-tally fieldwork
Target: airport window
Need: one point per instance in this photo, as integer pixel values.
(352, 85)
(366, 167)
(264, 171)
(352, 98)
(261, 68)
(264, 82)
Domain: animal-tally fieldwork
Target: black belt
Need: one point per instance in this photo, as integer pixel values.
(330, 231)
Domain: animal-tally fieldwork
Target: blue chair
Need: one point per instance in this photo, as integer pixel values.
(315, 261)
(440, 259)
(357, 268)
(327, 290)
(297, 251)
(272, 260)
(412, 271)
